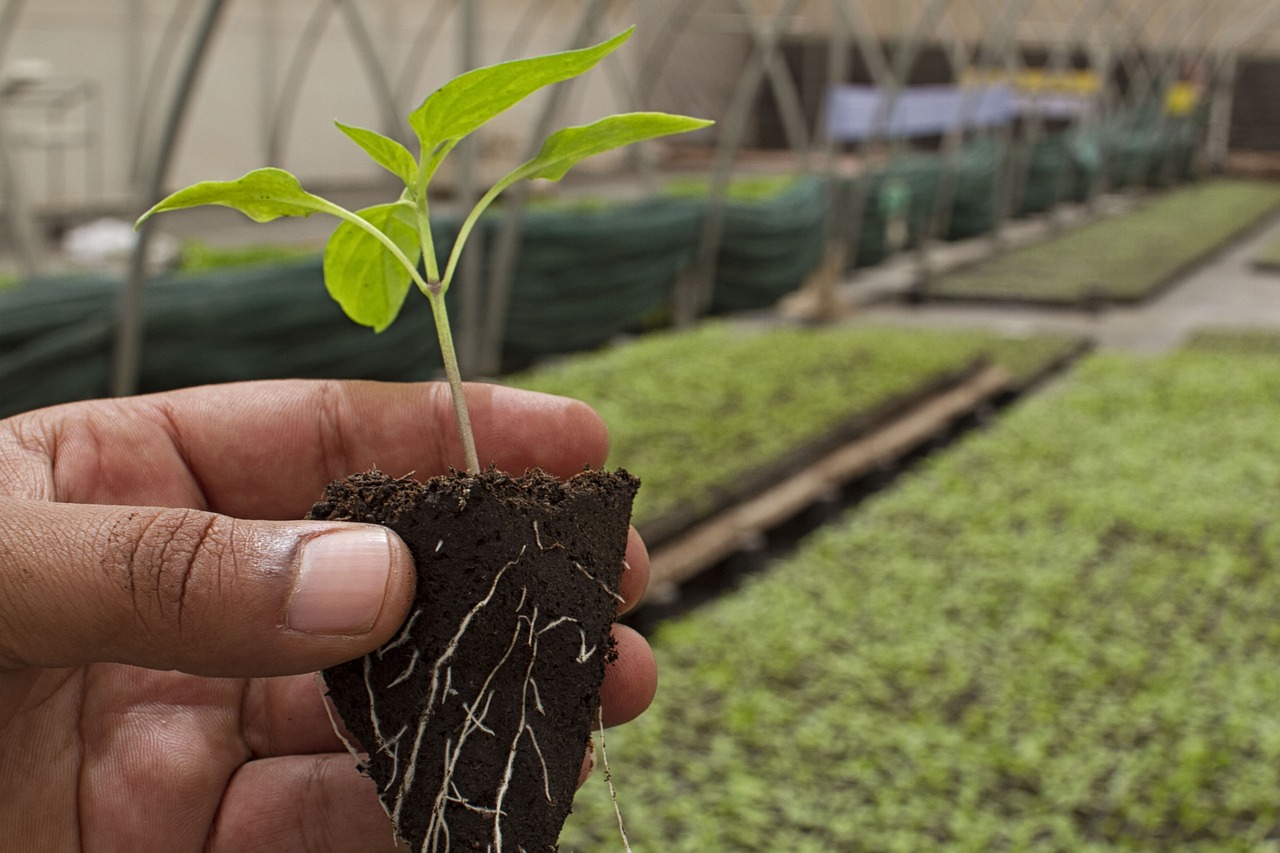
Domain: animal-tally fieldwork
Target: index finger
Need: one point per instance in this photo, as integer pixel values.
(266, 449)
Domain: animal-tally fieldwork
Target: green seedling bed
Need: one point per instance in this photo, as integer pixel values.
(1060, 635)
(696, 415)
(1124, 258)
(1235, 342)
(197, 256)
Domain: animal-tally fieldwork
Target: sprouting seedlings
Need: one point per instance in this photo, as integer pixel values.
(373, 256)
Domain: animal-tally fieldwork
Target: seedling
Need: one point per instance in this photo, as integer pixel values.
(373, 256)
(474, 719)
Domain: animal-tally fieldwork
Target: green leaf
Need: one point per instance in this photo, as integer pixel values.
(566, 148)
(262, 195)
(386, 152)
(362, 275)
(465, 103)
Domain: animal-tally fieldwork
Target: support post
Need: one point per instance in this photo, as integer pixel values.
(468, 153)
(127, 353)
(506, 250)
(12, 195)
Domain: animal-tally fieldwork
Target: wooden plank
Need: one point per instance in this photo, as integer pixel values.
(722, 536)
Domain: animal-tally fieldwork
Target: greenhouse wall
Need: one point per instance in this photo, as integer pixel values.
(110, 47)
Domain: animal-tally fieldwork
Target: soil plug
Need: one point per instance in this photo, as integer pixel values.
(477, 716)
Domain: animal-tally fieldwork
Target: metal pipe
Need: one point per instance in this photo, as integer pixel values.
(526, 26)
(848, 228)
(1060, 57)
(295, 74)
(468, 152)
(268, 70)
(393, 125)
(944, 198)
(21, 220)
(9, 14)
(677, 22)
(506, 251)
(693, 294)
(420, 49)
(1140, 78)
(836, 252)
(783, 86)
(896, 75)
(1006, 53)
(127, 352)
(1229, 44)
(152, 90)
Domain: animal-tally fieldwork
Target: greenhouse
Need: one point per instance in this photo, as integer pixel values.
(921, 497)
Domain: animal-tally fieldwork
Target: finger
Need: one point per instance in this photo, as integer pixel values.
(317, 802)
(193, 591)
(287, 716)
(267, 449)
(635, 574)
(631, 681)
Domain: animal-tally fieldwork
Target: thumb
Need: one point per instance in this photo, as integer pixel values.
(193, 591)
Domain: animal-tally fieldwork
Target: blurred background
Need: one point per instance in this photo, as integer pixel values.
(949, 358)
(893, 125)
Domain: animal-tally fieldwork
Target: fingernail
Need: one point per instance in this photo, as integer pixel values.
(342, 581)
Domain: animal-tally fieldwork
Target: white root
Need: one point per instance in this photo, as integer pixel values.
(537, 537)
(515, 741)
(615, 596)
(608, 780)
(404, 636)
(360, 757)
(406, 783)
(584, 655)
(454, 752)
(440, 687)
(408, 670)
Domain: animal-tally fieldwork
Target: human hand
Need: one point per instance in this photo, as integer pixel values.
(160, 620)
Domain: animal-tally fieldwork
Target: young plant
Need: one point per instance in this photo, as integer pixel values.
(373, 256)
(473, 721)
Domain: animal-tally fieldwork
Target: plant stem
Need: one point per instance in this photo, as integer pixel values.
(428, 242)
(435, 295)
(454, 375)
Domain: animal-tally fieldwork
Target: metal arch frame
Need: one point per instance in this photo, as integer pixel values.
(1003, 52)
(127, 352)
(1231, 43)
(891, 73)
(286, 98)
(1062, 50)
(480, 349)
(422, 45)
(16, 209)
(127, 346)
(1000, 44)
(693, 292)
(152, 85)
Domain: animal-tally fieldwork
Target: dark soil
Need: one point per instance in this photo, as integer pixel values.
(476, 718)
